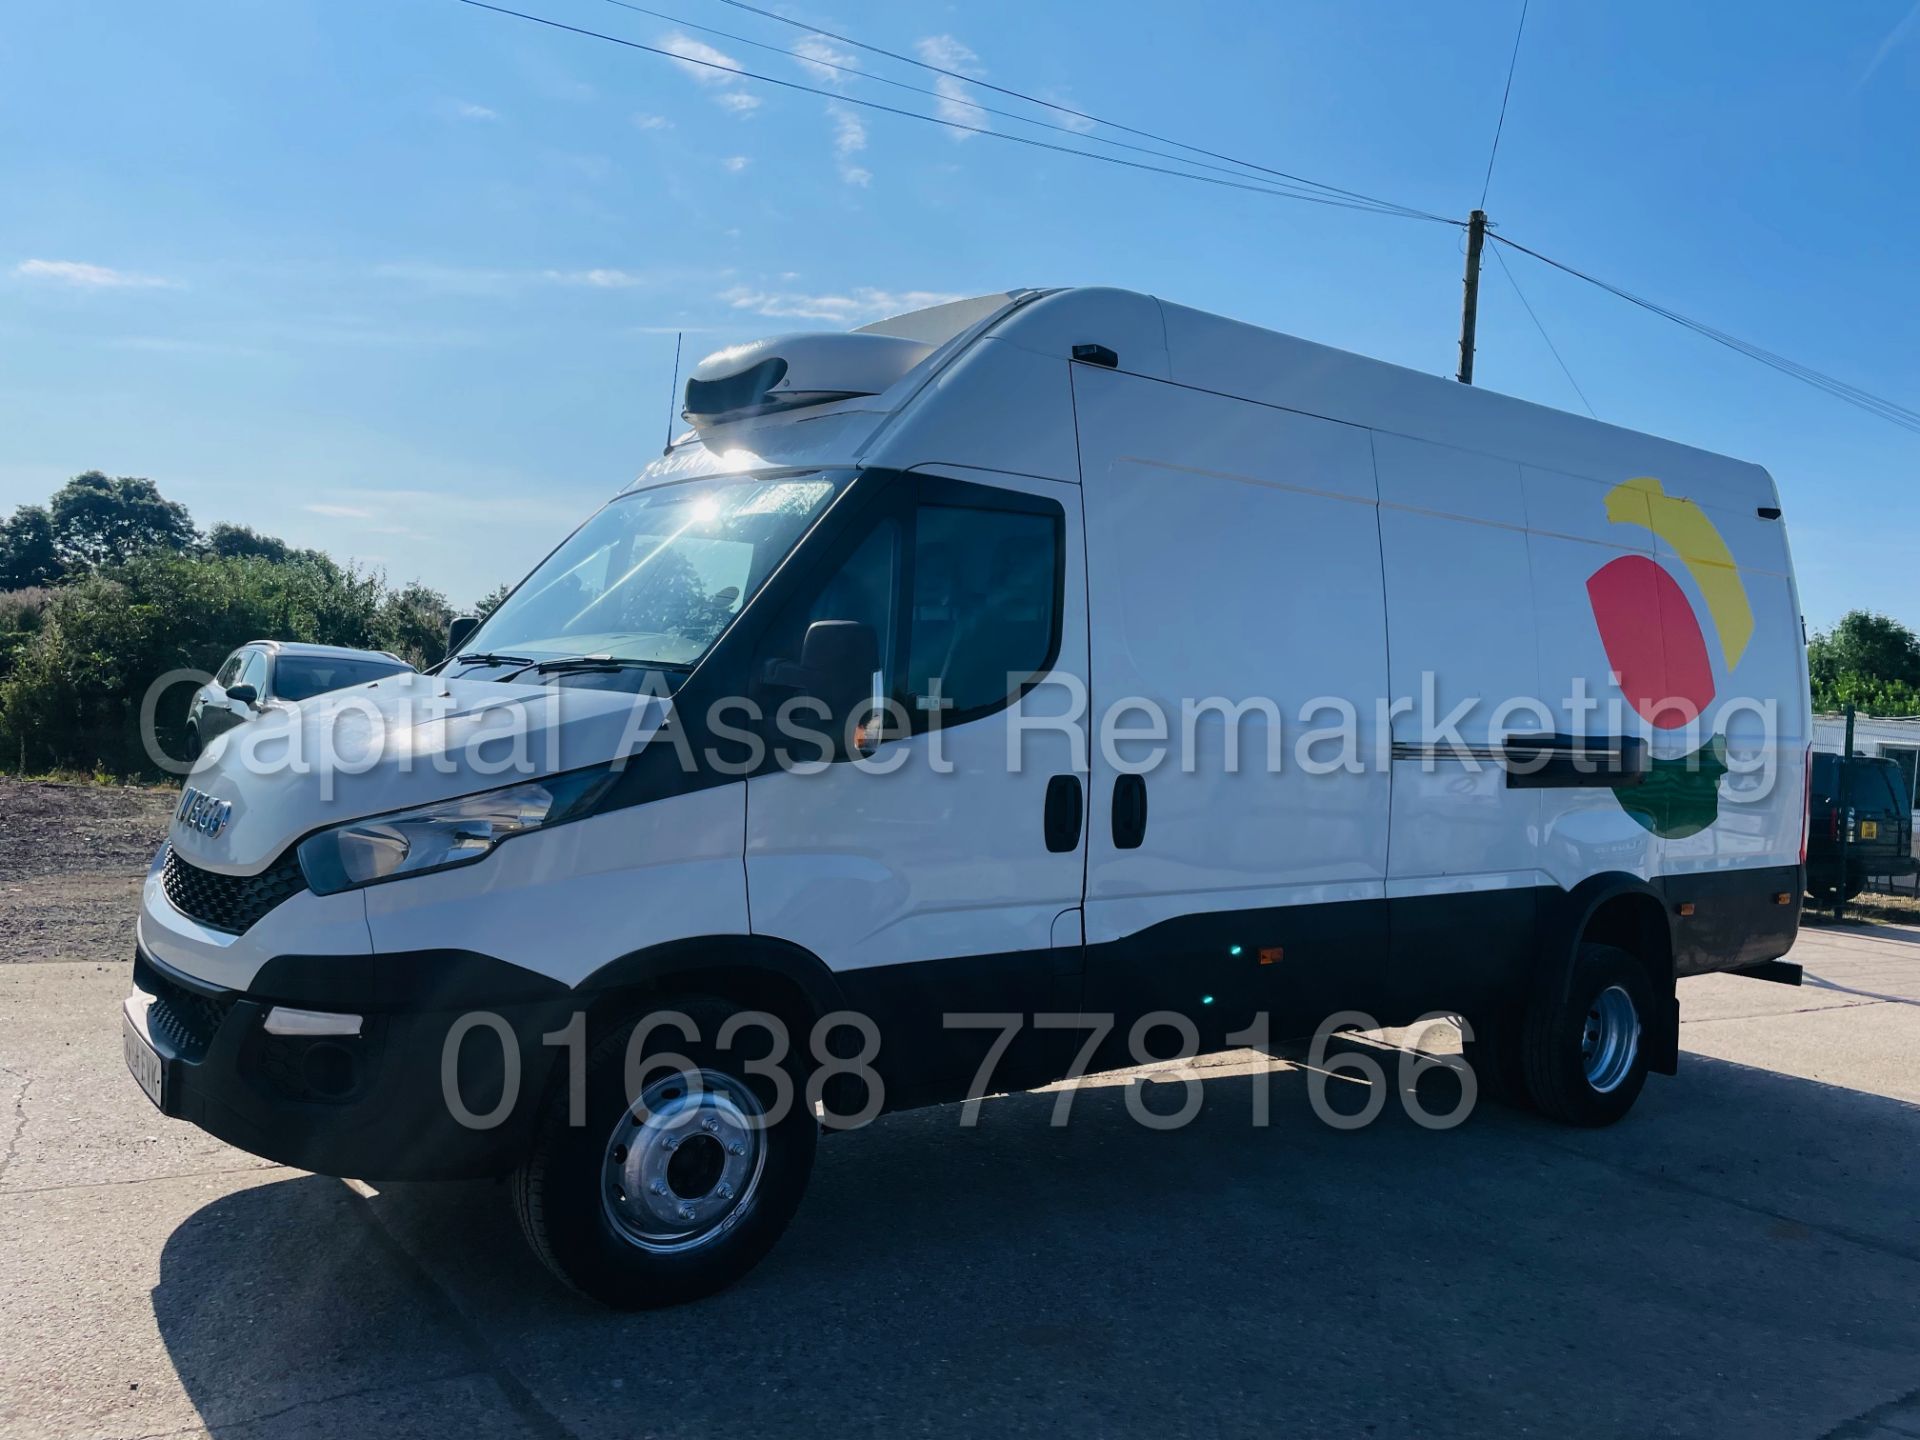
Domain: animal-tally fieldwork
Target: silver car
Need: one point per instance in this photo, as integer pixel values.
(265, 673)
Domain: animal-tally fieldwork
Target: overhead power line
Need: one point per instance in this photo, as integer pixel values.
(1086, 116)
(1542, 329)
(1501, 124)
(1889, 410)
(1386, 207)
(1284, 192)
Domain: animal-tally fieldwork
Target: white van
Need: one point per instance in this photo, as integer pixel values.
(1172, 679)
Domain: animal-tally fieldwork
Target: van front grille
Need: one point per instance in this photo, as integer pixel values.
(233, 903)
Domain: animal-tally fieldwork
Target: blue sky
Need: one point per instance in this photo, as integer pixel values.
(399, 278)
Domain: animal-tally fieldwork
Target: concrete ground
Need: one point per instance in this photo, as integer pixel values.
(1740, 1257)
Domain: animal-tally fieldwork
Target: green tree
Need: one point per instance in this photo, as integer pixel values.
(27, 554)
(1869, 661)
(23, 613)
(238, 540)
(102, 520)
(73, 697)
(490, 602)
(412, 623)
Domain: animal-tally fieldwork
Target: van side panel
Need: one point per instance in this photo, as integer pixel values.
(1463, 859)
(1584, 831)
(1233, 555)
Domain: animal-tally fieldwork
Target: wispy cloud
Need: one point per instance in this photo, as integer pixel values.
(855, 307)
(1070, 118)
(700, 60)
(849, 139)
(1897, 36)
(708, 67)
(468, 110)
(80, 275)
(339, 512)
(644, 121)
(819, 58)
(952, 105)
(477, 280)
(734, 164)
(599, 279)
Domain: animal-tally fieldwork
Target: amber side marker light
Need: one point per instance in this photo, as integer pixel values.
(1685, 907)
(1783, 898)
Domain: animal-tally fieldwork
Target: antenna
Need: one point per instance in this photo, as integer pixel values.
(673, 390)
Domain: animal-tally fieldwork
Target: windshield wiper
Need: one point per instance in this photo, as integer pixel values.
(483, 657)
(580, 664)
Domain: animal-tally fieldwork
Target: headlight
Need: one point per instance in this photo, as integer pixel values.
(434, 837)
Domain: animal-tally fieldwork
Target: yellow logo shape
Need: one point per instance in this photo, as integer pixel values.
(1685, 526)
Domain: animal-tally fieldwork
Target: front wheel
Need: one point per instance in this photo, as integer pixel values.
(1584, 1049)
(687, 1167)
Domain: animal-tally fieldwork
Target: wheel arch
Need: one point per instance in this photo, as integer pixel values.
(756, 970)
(1624, 911)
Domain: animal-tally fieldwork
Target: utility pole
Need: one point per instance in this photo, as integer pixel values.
(1844, 799)
(1470, 304)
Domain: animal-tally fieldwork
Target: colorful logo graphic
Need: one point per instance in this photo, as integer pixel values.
(1659, 652)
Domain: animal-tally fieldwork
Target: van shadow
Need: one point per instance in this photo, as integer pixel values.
(1111, 1277)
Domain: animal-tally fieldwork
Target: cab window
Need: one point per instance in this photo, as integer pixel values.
(864, 588)
(985, 616)
(254, 672)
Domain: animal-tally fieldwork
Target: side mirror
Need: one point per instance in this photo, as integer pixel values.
(836, 665)
(458, 630)
(245, 694)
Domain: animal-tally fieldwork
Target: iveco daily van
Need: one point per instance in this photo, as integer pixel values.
(960, 700)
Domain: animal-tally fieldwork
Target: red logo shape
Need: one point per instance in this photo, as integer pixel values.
(1653, 640)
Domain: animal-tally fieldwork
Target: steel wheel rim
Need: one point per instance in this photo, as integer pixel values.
(684, 1162)
(1610, 1039)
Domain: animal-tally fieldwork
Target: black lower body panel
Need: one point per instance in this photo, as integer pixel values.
(376, 1105)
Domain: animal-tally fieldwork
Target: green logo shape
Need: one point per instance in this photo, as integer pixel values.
(1681, 796)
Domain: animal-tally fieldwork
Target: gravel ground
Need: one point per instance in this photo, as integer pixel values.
(71, 859)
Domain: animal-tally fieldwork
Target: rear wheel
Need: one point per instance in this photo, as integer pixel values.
(1584, 1049)
(678, 1189)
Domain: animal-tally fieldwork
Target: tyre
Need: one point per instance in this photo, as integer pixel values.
(675, 1188)
(1584, 1050)
(193, 742)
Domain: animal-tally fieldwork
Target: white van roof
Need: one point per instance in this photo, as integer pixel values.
(991, 392)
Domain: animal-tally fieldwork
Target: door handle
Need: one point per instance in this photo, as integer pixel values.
(1063, 813)
(1129, 812)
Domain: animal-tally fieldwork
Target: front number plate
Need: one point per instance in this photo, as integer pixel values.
(144, 1061)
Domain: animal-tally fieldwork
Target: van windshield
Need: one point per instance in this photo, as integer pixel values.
(656, 575)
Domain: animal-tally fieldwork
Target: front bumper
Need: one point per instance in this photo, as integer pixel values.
(380, 1105)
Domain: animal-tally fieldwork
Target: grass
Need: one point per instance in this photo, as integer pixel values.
(97, 779)
(1871, 905)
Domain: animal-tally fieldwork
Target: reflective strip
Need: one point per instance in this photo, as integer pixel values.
(283, 1021)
